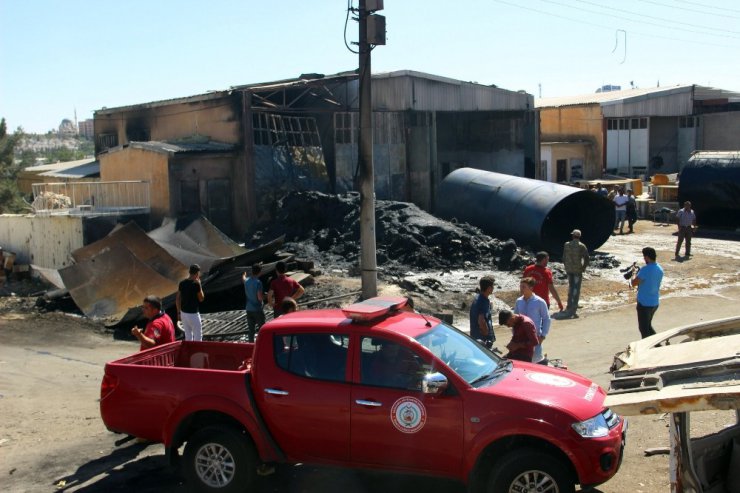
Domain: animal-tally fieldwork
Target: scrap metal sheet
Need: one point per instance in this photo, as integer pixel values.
(110, 286)
(194, 240)
(141, 246)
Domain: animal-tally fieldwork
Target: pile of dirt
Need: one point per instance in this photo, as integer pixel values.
(326, 228)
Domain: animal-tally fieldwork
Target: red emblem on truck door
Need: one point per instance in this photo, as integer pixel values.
(408, 415)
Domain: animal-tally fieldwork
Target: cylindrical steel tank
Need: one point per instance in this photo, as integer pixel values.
(535, 213)
(711, 182)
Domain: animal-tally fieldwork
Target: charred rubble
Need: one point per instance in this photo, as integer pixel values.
(326, 228)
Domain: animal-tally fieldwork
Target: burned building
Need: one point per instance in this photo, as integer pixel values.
(230, 154)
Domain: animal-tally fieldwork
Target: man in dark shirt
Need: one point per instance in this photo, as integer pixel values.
(481, 326)
(524, 337)
(189, 296)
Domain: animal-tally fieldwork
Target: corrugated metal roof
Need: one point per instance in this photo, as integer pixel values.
(603, 98)
(210, 95)
(85, 170)
(41, 168)
(418, 91)
(655, 101)
(392, 91)
(177, 148)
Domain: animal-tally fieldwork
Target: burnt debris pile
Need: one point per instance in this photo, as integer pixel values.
(327, 228)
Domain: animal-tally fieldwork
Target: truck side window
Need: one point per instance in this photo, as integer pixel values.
(319, 356)
(385, 363)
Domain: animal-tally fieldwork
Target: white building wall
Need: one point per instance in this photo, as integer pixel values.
(45, 241)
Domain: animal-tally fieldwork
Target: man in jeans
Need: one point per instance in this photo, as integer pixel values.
(575, 261)
(648, 281)
(686, 220)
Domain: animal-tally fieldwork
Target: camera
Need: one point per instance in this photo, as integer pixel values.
(630, 271)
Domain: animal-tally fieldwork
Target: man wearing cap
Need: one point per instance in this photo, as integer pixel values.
(189, 297)
(575, 261)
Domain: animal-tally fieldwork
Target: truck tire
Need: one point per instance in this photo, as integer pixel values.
(219, 459)
(527, 470)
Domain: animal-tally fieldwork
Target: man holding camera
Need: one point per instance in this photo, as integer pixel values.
(648, 281)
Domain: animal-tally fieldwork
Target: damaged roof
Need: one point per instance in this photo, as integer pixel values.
(392, 91)
(177, 148)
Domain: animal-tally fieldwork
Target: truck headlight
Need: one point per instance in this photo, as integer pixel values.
(592, 428)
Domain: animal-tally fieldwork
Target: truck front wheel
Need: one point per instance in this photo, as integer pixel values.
(527, 470)
(219, 459)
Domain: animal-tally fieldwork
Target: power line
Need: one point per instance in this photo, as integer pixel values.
(657, 18)
(694, 10)
(709, 6)
(611, 28)
(638, 21)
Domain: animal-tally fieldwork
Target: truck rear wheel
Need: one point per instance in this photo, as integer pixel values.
(529, 471)
(219, 459)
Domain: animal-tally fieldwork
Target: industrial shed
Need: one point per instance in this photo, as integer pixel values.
(302, 133)
(635, 132)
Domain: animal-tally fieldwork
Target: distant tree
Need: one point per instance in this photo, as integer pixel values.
(11, 199)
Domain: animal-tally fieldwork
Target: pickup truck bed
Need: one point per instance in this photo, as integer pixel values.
(213, 369)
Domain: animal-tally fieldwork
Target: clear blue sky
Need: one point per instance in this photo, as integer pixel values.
(56, 56)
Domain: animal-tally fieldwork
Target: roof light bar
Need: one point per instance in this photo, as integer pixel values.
(373, 308)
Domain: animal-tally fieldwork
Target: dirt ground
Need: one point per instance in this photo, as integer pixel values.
(51, 364)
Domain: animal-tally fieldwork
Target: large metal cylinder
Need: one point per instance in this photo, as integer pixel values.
(534, 213)
(711, 182)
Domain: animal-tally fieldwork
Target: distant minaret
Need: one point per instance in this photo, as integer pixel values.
(77, 127)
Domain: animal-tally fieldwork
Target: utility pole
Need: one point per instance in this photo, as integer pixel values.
(372, 31)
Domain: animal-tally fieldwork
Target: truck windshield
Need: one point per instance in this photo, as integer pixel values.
(463, 355)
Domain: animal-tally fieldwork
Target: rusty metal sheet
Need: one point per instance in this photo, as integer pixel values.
(141, 246)
(110, 286)
(194, 240)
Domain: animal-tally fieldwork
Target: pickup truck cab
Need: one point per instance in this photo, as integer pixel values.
(371, 386)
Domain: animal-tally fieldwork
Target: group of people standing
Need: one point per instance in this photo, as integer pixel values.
(530, 319)
(625, 206)
(281, 296)
(160, 329)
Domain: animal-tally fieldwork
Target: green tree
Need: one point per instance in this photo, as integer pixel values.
(11, 199)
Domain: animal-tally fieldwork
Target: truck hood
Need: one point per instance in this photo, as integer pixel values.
(550, 387)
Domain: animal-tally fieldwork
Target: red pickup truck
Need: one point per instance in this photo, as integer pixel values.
(371, 386)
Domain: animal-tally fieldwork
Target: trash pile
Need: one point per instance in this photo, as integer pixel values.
(326, 228)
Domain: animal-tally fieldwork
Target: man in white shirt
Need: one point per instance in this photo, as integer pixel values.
(620, 206)
(686, 220)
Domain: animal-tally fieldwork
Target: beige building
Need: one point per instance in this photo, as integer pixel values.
(634, 132)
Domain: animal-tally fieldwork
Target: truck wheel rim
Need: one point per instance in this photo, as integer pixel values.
(214, 465)
(534, 482)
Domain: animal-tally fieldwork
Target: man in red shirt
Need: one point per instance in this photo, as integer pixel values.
(159, 330)
(540, 273)
(524, 337)
(282, 287)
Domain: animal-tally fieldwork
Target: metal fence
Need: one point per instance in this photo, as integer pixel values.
(93, 197)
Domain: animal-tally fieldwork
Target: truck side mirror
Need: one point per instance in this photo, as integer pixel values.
(434, 383)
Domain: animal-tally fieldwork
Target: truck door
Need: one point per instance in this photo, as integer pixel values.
(393, 423)
(304, 397)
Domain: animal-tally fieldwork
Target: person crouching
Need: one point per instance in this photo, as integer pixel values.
(524, 336)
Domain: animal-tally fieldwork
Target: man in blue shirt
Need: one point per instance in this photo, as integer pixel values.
(255, 297)
(648, 281)
(535, 308)
(481, 326)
